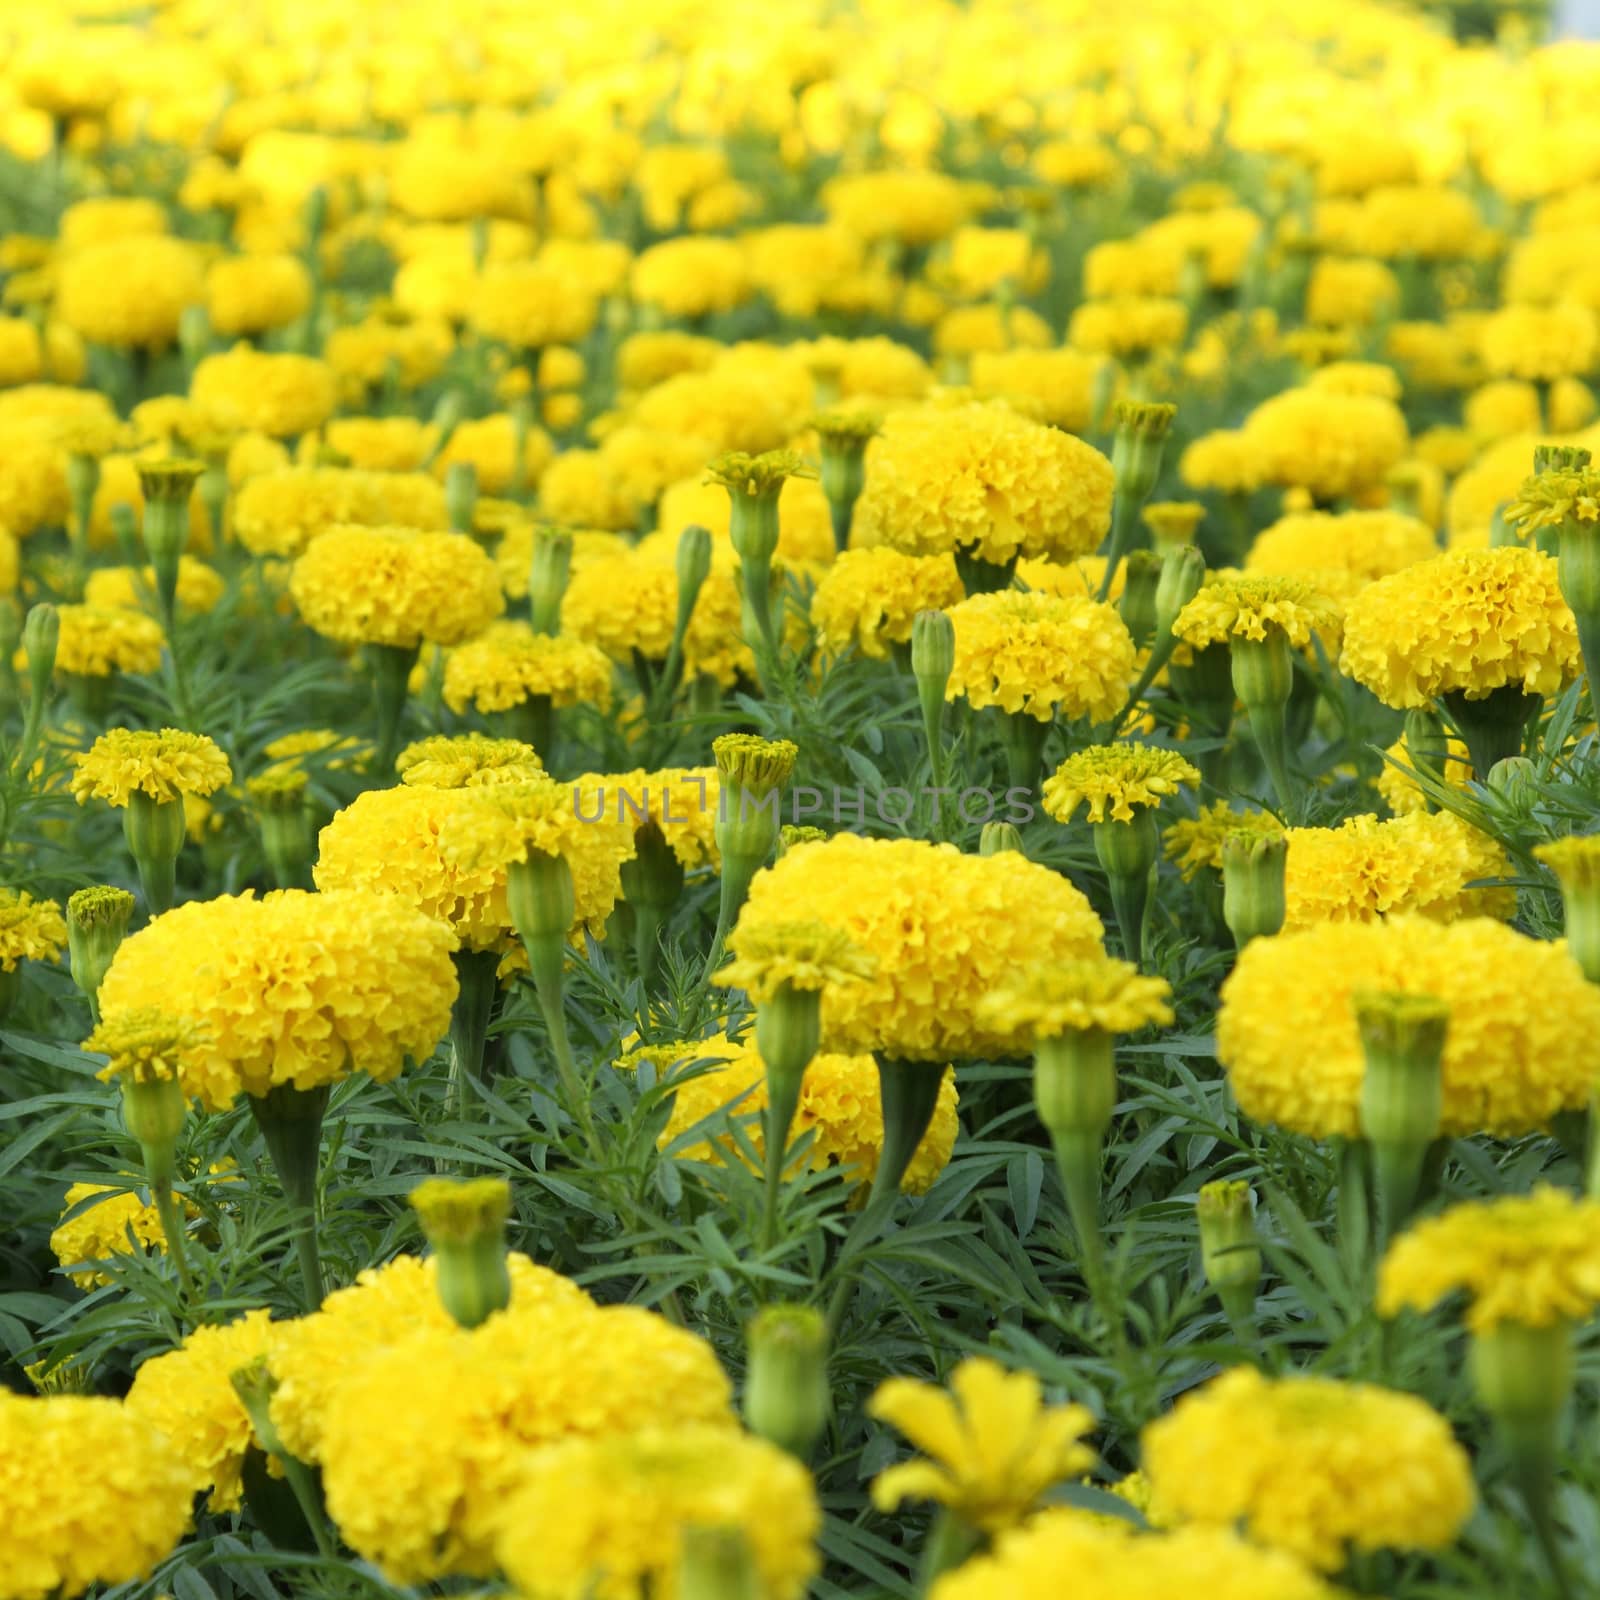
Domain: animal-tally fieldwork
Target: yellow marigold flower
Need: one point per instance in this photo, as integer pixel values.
(1357, 377)
(21, 352)
(1366, 868)
(944, 928)
(1128, 325)
(1115, 778)
(514, 554)
(608, 1517)
(508, 822)
(508, 663)
(379, 444)
(803, 955)
(805, 527)
(1397, 783)
(981, 479)
(279, 513)
(1252, 606)
(119, 1224)
(299, 989)
(1073, 579)
(1053, 386)
(319, 742)
(915, 208)
(1108, 1561)
(994, 1446)
(395, 586)
(385, 1306)
(464, 760)
(145, 1045)
(388, 841)
(1228, 461)
(252, 294)
(647, 358)
(278, 395)
(1314, 1466)
(1331, 445)
(1549, 499)
(187, 1394)
(490, 444)
(30, 929)
(870, 598)
(95, 643)
(99, 1496)
(1540, 343)
(1341, 553)
(164, 765)
(1025, 651)
(1513, 1057)
(691, 276)
(423, 1441)
(1348, 292)
(840, 1107)
(1468, 622)
(531, 304)
(1043, 1002)
(200, 587)
(364, 354)
(682, 801)
(129, 293)
(1530, 1259)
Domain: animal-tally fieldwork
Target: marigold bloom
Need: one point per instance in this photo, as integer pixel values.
(1113, 779)
(1468, 622)
(1314, 1466)
(1128, 325)
(1108, 1561)
(995, 1447)
(1041, 655)
(294, 988)
(465, 760)
(143, 1045)
(30, 929)
(1530, 1259)
(1540, 343)
(94, 1495)
(1398, 786)
(165, 765)
(607, 1518)
(251, 294)
(916, 208)
(1228, 461)
(120, 1224)
(129, 293)
(395, 586)
(278, 395)
(801, 955)
(870, 598)
(1054, 386)
(1044, 1002)
(691, 276)
(200, 587)
(1332, 445)
(944, 928)
(983, 480)
(1340, 554)
(279, 513)
(1252, 606)
(531, 304)
(1366, 868)
(95, 643)
(187, 1395)
(490, 445)
(508, 663)
(1513, 1055)
(682, 801)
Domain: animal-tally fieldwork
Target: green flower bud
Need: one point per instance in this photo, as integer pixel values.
(1141, 578)
(788, 1030)
(997, 836)
(461, 494)
(125, 529)
(694, 566)
(1263, 671)
(167, 487)
(41, 633)
(97, 923)
(933, 649)
(1229, 1253)
(288, 829)
(548, 577)
(1515, 779)
(844, 436)
(448, 413)
(465, 1223)
(1183, 570)
(1253, 900)
(194, 335)
(155, 831)
(786, 1393)
(1075, 1082)
(540, 898)
(1141, 434)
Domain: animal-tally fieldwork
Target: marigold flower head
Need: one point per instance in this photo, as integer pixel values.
(1128, 324)
(1113, 779)
(461, 1210)
(200, 587)
(97, 1495)
(1467, 622)
(1533, 1260)
(1053, 386)
(1366, 868)
(30, 929)
(1397, 784)
(508, 664)
(395, 586)
(279, 395)
(982, 479)
(1314, 1466)
(870, 598)
(1040, 654)
(993, 1447)
(1575, 860)
(683, 802)
(465, 760)
(1540, 343)
(1341, 553)
(1043, 1002)
(531, 304)
(1253, 606)
(129, 294)
(188, 1395)
(498, 450)
(944, 927)
(609, 1517)
(165, 765)
(801, 955)
(1228, 461)
(914, 207)
(145, 1045)
(1549, 499)
(293, 988)
(1513, 1055)
(119, 1223)
(279, 513)
(1332, 445)
(96, 642)
(757, 476)
(254, 293)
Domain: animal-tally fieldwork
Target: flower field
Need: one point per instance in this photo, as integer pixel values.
(799, 801)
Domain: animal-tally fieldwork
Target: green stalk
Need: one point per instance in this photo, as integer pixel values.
(290, 1121)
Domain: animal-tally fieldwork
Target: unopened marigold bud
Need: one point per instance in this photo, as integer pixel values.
(1253, 899)
(1141, 577)
(786, 1393)
(547, 578)
(844, 436)
(465, 1222)
(540, 898)
(1229, 1253)
(997, 836)
(167, 487)
(1140, 439)
(461, 494)
(447, 416)
(1516, 780)
(1183, 570)
(97, 923)
(1576, 864)
(155, 832)
(41, 634)
(1402, 1090)
(282, 801)
(694, 564)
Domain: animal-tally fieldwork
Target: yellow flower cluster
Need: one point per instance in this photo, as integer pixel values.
(1194, 844)
(1253, 606)
(683, 802)
(279, 513)
(165, 765)
(294, 988)
(1113, 779)
(1041, 655)
(1044, 1002)
(1331, 445)
(95, 643)
(1340, 554)
(870, 598)
(119, 1224)
(465, 760)
(30, 929)
(1313, 1466)
(200, 587)
(1513, 1056)
(395, 586)
(944, 928)
(508, 664)
(279, 395)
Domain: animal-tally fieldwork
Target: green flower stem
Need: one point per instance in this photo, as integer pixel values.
(547, 957)
(1078, 1160)
(533, 721)
(290, 1121)
(1022, 736)
(931, 697)
(783, 1100)
(951, 1540)
(158, 1170)
(1271, 737)
(469, 1018)
(10, 988)
(391, 675)
(1124, 524)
